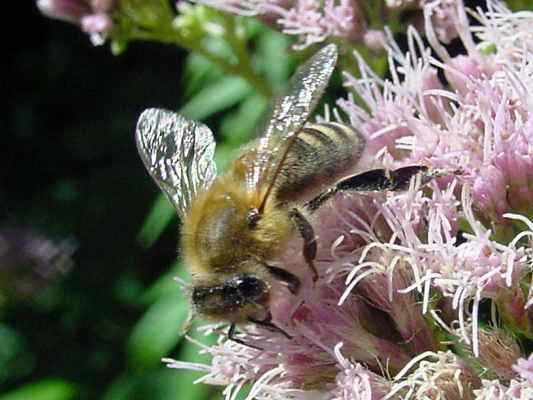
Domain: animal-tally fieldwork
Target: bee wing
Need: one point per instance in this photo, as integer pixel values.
(290, 111)
(178, 154)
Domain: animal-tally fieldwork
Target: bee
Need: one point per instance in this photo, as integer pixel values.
(234, 224)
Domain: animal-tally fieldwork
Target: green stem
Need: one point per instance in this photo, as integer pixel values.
(243, 67)
(243, 58)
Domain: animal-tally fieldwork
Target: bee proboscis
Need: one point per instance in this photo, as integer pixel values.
(234, 224)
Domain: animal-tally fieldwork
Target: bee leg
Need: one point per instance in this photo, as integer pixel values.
(231, 336)
(268, 324)
(381, 179)
(317, 202)
(291, 280)
(308, 234)
(375, 180)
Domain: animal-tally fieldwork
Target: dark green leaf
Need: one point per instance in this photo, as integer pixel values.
(158, 330)
(157, 220)
(275, 54)
(49, 389)
(198, 72)
(216, 97)
(190, 352)
(165, 285)
(238, 126)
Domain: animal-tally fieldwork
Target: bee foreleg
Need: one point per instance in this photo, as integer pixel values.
(291, 280)
(231, 336)
(270, 326)
(308, 234)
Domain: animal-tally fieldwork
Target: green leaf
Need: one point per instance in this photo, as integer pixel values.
(122, 387)
(275, 45)
(118, 46)
(48, 389)
(157, 220)
(198, 71)
(11, 345)
(158, 330)
(216, 97)
(238, 126)
(165, 285)
(190, 352)
(158, 384)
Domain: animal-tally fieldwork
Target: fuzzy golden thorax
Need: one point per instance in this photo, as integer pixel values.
(226, 245)
(220, 233)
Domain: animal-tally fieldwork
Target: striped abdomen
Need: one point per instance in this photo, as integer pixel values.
(321, 154)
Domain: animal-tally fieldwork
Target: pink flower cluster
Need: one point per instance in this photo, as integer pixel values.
(404, 275)
(312, 21)
(94, 16)
(29, 260)
(348, 20)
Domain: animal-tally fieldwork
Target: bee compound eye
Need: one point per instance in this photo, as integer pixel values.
(251, 288)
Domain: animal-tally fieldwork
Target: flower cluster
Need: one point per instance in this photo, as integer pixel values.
(348, 20)
(30, 260)
(425, 293)
(93, 16)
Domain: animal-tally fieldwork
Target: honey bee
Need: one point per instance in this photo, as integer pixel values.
(236, 223)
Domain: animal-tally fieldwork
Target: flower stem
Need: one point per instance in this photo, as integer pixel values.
(242, 68)
(235, 40)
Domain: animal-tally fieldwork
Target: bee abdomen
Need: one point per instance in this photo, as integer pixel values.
(320, 155)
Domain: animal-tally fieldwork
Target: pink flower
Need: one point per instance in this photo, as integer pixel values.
(94, 16)
(313, 22)
(29, 260)
(357, 382)
(496, 390)
(310, 20)
(443, 17)
(525, 368)
(440, 375)
(498, 351)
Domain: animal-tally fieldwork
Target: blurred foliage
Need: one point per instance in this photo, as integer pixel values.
(47, 389)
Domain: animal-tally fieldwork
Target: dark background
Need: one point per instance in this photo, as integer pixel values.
(69, 168)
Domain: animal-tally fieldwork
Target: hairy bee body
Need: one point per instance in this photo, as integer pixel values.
(218, 236)
(321, 154)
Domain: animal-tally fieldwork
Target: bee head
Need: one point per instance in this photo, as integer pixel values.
(236, 298)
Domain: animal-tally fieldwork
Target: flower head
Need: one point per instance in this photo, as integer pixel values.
(437, 376)
(525, 368)
(311, 21)
(93, 16)
(30, 260)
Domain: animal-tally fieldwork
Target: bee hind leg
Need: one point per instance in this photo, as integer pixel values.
(308, 234)
(375, 180)
(232, 337)
(268, 324)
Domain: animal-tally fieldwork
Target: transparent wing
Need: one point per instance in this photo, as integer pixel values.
(290, 111)
(178, 154)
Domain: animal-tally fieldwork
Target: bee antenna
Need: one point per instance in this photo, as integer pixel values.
(279, 166)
